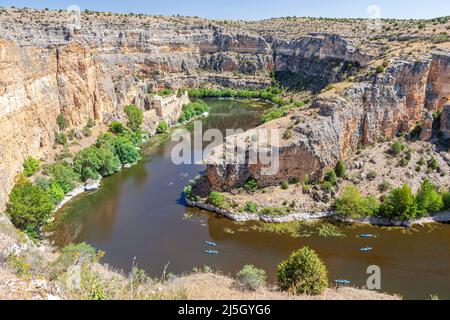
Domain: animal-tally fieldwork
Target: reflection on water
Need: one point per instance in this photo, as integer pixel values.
(139, 213)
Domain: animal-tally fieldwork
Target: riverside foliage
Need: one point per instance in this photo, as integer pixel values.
(400, 203)
(30, 204)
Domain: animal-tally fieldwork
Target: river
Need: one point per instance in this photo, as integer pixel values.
(140, 213)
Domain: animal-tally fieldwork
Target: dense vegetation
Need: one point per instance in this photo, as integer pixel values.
(31, 204)
(303, 273)
(193, 109)
(400, 203)
(270, 94)
(30, 166)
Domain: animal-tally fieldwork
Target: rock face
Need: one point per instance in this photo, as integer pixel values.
(335, 124)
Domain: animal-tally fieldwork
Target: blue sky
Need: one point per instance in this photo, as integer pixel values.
(254, 9)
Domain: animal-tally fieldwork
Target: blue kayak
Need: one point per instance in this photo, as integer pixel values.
(366, 249)
(340, 281)
(367, 236)
(212, 244)
(212, 252)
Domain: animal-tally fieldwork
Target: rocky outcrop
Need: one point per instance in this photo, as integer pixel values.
(317, 60)
(336, 124)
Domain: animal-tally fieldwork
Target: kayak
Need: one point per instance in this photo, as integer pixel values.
(366, 249)
(212, 244)
(367, 236)
(340, 281)
(212, 252)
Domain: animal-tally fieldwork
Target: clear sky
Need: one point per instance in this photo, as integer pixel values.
(253, 9)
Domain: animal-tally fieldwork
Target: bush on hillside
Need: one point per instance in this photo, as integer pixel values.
(30, 166)
(400, 203)
(352, 204)
(29, 206)
(428, 199)
(303, 273)
(251, 278)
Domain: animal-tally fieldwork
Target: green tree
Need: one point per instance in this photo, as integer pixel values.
(428, 199)
(251, 185)
(135, 117)
(162, 127)
(303, 273)
(63, 174)
(116, 127)
(61, 121)
(93, 163)
(125, 150)
(331, 177)
(340, 169)
(56, 192)
(352, 204)
(400, 203)
(30, 166)
(29, 206)
(446, 200)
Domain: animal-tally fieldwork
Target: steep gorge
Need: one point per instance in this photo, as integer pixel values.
(93, 68)
(49, 67)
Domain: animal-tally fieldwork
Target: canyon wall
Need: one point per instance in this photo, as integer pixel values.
(335, 124)
(93, 68)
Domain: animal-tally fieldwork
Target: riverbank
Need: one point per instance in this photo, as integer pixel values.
(441, 217)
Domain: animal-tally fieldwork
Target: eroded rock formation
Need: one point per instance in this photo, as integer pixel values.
(334, 124)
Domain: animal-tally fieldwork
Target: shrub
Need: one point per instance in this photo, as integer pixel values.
(428, 199)
(371, 175)
(193, 109)
(446, 200)
(121, 146)
(273, 211)
(400, 203)
(90, 123)
(303, 273)
(331, 177)
(433, 164)
(396, 148)
(251, 278)
(30, 166)
(135, 117)
(60, 138)
(340, 169)
(116, 127)
(251, 207)
(251, 184)
(384, 186)
(93, 163)
(285, 185)
(352, 204)
(29, 206)
(55, 192)
(61, 121)
(162, 127)
(216, 199)
(380, 69)
(87, 132)
(63, 174)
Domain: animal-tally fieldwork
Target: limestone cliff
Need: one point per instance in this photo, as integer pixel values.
(336, 123)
